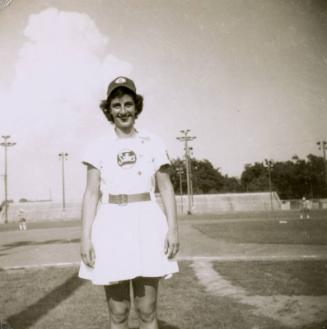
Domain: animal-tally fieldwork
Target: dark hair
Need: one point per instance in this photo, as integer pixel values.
(120, 92)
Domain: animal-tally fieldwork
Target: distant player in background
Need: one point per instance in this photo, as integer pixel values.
(305, 208)
(22, 220)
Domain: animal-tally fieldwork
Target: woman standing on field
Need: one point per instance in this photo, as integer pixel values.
(125, 235)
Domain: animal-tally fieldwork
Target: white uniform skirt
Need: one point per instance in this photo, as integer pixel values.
(128, 241)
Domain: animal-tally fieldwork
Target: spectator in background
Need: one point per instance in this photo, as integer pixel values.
(22, 220)
(2, 205)
(305, 208)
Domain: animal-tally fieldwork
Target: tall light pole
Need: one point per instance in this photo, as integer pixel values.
(269, 165)
(6, 144)
(63, 156)
(186, 138)
(191, 174)
(322, 145)
(180, 172)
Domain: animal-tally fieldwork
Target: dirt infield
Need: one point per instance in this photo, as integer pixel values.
(199, 240)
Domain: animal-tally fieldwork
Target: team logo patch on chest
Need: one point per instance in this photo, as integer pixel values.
(126, 158)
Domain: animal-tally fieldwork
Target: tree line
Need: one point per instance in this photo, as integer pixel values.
(291, 179)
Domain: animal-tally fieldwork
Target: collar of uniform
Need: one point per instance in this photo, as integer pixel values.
(143, 135)
(140, 134)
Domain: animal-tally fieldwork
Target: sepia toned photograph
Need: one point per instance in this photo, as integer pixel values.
(163, 164)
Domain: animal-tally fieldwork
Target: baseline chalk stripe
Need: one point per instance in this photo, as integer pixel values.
(215, 283)
(189, 258)
(35, 266)
(245, 258)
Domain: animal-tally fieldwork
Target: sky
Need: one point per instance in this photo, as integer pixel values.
(247, 77)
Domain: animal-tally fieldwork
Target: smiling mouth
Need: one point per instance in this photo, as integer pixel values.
(124, 117)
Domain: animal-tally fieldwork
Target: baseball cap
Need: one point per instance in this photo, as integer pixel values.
(121, 82)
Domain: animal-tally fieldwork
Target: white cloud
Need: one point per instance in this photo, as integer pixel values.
(62, 72)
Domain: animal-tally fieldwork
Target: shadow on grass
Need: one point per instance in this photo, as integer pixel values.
(165, 325)
(37, 243)
(31, 314)
(321, 325)
(162, 325)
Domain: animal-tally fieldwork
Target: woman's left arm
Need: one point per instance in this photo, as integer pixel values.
(168, 198)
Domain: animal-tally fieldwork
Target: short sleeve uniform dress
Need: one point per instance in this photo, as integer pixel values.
(128, 239)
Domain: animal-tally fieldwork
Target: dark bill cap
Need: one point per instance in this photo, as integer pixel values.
(121, 82)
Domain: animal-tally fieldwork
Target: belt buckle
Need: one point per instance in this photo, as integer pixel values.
(123, 199)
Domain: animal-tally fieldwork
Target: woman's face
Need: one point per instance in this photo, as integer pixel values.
(123, 112)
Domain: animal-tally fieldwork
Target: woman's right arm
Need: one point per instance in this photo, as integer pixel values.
(89, 208)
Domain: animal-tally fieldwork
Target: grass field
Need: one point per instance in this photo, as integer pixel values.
(269, 231)
(61, 300)
(39, 225)
(250, 215)
(276, 214)
(205, 294)
(307, 278)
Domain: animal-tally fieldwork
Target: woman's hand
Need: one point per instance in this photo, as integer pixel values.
(168, 198)
(87, 252)
(171, 243)
(89, 208)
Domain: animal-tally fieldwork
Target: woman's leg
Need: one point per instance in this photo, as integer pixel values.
(145, 292)
(118, 299)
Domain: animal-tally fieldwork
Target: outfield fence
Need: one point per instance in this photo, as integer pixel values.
(201, 204)
(229, 202)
